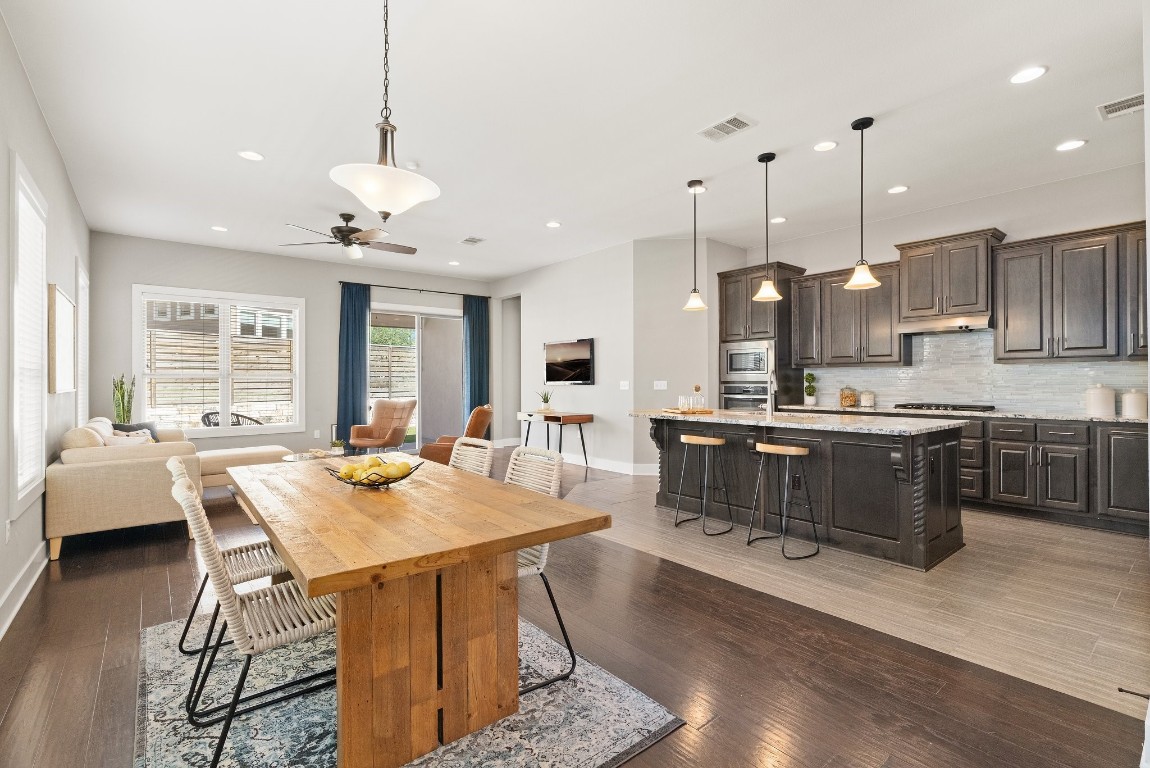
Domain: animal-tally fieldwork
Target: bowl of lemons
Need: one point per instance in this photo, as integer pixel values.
(374, 472)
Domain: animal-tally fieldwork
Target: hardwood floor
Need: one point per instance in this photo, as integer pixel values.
(760, 680)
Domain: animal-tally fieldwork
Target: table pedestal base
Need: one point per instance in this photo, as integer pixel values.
(425, 660)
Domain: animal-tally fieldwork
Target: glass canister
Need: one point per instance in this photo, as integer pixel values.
(866, 399)
(848, 398)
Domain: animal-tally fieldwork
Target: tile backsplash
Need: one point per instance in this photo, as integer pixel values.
(960, 368)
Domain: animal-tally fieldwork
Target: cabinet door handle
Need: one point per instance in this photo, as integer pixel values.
(1050, 349)
(1066, 434)
(1133, 342)
(1009, 429)
(1041, 450)
(936, 303)
(946, 303)
(1030, 454)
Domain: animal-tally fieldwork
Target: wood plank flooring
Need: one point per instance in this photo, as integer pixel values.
(760, 680)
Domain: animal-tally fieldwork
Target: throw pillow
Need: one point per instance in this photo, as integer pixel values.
(81, 437)
(138, 433)
(133, 440)
(148, 425)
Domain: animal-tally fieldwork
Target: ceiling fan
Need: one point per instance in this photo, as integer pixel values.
(354, 239)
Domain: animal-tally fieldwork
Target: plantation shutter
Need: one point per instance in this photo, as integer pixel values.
(29, 339)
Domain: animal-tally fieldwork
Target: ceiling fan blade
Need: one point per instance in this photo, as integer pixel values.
(321, 242)
(313, 231)
(371, 235)
(392, 247)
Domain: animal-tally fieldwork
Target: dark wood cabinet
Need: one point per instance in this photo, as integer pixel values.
(1123, 482)
(806, 322)
(740, 317)
(946, 277)
(1134, 279)
(1012, 476)
(1058, 298)
(834, 326)
(1063, 477)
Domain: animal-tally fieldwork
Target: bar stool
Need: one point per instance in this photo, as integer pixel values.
(707, 446)
(779, 451)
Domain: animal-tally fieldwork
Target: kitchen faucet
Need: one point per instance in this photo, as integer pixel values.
(772, 385)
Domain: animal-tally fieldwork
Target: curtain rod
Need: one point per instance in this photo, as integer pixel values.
(418, 290)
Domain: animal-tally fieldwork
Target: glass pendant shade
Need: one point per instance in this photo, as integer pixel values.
(862, 278)
(767, 292)
(353, 251)
(694, 302)
(384, 188)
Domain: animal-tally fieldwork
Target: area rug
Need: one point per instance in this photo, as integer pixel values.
(592, 720)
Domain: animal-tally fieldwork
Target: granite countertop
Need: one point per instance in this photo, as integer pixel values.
(1005, 414)
(872, 425)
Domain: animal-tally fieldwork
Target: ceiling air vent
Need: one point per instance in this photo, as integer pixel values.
(1121, 107)
(473, 240)
(734, 124)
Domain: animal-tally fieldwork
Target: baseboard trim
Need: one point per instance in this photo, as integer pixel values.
(610, 465)
(508, 442)
(18, 592)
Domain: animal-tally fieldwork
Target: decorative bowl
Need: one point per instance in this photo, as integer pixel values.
(376, 479)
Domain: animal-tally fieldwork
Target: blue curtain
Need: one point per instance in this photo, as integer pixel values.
(354, 317)
(476, 354)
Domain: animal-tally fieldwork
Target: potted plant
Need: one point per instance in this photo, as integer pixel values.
(337, 447)
(545, 398)
(122, 395)
(809, 389)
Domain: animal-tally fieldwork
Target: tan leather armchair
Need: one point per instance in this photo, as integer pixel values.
(388, 427)
(477, 424)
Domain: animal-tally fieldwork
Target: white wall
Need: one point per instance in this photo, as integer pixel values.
(1096, 200)
(119, 261)
(23, 131)
(506, 368)
(588, 297)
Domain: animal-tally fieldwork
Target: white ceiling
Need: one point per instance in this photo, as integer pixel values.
(585, 112)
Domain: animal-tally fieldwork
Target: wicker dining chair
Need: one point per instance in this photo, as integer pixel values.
(472, 454)
(388, 427)
(540, 470)
(257, 621)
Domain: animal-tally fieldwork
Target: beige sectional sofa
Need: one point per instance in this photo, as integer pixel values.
(99, 487)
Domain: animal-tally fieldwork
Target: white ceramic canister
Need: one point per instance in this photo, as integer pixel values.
(866, 399)
(1100, 402)
(1133, 404)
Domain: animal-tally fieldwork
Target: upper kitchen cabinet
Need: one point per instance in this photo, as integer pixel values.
(834, 326)
(945, 282)
(1058, 298)
(1134, 278)
(740, 318)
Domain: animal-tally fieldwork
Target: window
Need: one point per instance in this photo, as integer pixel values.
(29, 335)
(82, 299)
(219, 363)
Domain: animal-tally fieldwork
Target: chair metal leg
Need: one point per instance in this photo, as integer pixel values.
(755, 507)
(726, 495)
(810, 511)
(200, 678)
(188, 623)
(679, 498)
(232, 710)
(566, 641)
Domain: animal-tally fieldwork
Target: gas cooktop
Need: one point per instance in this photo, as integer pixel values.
(944, 407)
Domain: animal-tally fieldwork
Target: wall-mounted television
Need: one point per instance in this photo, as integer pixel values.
(570, 362)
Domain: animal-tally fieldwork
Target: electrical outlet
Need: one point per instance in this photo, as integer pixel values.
(624, 385)
(316, 434)
(796, 483)
(660, 385)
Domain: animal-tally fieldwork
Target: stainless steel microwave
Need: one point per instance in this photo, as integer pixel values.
(746, 361)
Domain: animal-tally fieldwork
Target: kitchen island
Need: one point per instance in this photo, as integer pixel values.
(880, 486)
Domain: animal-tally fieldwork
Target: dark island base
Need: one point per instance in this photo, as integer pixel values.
(895, 498)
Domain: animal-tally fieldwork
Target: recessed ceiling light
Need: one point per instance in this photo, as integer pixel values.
(453, 263)
(778, 219)
(825, 146)
(554, 224)
(1066, 146)
(1028, 74)
(248, 154)
(218, 228)
(898, 189)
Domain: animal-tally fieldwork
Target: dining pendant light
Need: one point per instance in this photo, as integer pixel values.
(695, 299)
(767, 291)
(381, 186)
(862, 277)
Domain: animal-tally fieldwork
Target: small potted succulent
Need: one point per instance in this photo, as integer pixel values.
(809, 389)
(545, 399)
(337, 447)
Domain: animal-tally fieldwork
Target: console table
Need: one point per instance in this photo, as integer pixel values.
(562, 419)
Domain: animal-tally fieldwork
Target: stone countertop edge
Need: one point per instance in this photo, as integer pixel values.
(1032, 416)
(861, 424)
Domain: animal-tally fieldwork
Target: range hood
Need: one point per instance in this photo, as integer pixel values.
(946, 324)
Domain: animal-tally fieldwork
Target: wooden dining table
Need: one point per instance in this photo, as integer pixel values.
(426, 585)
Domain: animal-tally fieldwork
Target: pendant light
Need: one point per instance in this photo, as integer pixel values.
(862, 277)
(381, 186)
(695, 299)
(767, 291)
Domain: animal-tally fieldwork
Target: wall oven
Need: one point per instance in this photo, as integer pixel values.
(743, 397)
(746, 361)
